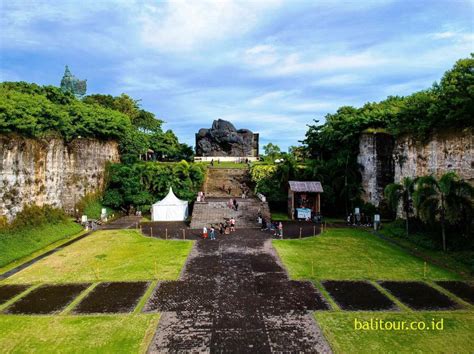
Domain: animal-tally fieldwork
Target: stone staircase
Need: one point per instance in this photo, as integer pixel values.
(227, 177)
(216, 211)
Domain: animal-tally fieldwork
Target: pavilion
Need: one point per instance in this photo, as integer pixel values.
(304, 199)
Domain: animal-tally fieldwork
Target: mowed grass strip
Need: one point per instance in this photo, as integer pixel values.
(112, 255)
(76, 334)
(454, 337)
(17, 244)
(353, 254)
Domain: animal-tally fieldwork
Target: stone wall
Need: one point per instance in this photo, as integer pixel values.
(384, 161)
(50, 171)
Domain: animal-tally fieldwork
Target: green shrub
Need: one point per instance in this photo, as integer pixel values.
(35, 215)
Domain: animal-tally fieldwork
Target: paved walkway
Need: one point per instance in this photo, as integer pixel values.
(234, 296)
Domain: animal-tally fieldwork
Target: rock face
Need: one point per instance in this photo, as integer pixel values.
(51, 171)
(377, 165)
(386, 161)
(443, 153)
(223, 139)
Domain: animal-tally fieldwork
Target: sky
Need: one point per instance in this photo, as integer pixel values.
(270, 66)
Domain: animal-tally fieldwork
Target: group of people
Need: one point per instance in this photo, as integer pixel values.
(275, 227)
(232, 204)
(201, 197)
(245, 190)
(225, 228)
(227, 190)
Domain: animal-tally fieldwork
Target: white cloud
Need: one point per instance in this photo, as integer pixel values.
(186, 25)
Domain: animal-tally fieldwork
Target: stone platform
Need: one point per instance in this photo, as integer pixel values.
(235, 296)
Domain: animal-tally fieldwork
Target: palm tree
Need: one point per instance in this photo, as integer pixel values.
(450, 199)
(396, 192)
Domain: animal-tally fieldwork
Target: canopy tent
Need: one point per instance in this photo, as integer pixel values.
(169, 209)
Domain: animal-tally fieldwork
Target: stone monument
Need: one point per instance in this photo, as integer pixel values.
(70, 83)
(224, 142)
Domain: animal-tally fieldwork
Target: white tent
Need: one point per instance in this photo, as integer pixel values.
(169, 209)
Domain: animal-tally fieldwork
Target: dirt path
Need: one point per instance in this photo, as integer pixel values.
(235, 296)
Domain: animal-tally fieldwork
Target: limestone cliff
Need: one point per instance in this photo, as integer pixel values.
(450, 151)
(384, 160)
(50, 171)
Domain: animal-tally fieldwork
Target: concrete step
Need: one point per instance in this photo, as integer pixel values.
(215, 212)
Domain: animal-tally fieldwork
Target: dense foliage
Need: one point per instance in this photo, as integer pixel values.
(41, 111)
(333, 146)
(141, 184)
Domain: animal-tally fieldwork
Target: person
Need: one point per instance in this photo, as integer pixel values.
(213, 233)
(212, 162)
(204, 232)
(229, 190)
(226, 228)
(280, 229)
(232, 224)
(230, 203)
(264, 224)
(203, 197)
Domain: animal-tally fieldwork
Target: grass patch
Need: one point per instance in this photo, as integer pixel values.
(19, 243)
(456, 336)
(112, 255)
(460, 261)
(66, 334)
(353, 254)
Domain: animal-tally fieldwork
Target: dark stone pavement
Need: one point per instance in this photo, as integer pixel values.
(234, 296)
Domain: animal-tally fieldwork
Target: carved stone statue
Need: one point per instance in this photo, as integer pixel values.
(70, 83)
(223, 139)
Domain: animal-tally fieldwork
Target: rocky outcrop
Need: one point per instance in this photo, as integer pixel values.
(223, 139)
(384, 160)
(50, 171)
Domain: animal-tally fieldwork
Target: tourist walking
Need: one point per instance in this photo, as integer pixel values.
(213, 233)
(280, 229)
(232, 224)
(221, 228)
(264, 224)
(204, 232)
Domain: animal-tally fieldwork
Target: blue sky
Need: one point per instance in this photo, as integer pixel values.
(270, 66)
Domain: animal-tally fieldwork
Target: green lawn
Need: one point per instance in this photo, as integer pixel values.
(345, 253)
(280, 216)
(21, 243)
(455, 337)
(353, 254)
(114, 255)
(462, 261)
(76, 334)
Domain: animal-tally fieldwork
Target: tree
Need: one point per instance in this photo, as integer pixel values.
(449, 199)
(272, 151)
(396, 192)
